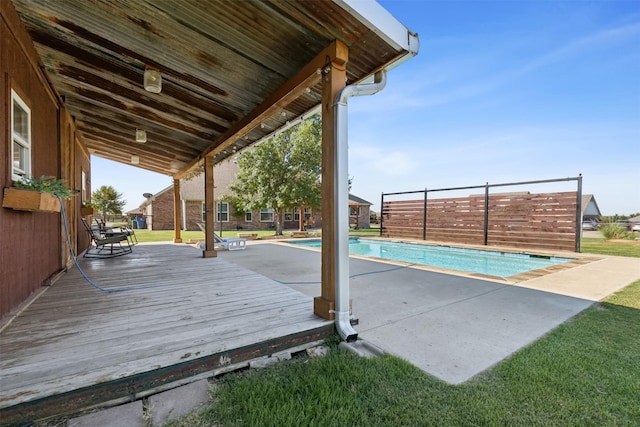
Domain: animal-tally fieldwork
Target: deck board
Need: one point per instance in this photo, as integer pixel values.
(177, 307)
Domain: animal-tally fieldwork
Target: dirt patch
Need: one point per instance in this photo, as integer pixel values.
(633, 242)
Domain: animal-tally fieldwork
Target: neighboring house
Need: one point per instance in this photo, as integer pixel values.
(590, 209)
(635, 220)
(158, 210)
(359, 212)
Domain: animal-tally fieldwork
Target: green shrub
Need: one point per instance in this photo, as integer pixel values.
(46, 184)
(614, 231)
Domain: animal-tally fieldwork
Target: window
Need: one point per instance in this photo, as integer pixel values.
(307, 213)
(248, 217)
(289, 215)
(266, 215)
(20, 137)
(354, 211)
(294, 214)
(204, 212)
(223, 212)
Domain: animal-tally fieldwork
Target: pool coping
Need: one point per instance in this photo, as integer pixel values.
(577, 258)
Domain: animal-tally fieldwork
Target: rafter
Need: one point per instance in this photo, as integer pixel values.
(335, 53)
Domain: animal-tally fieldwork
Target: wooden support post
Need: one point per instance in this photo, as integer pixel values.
(209, 251)
(333, 81)
(177, 212)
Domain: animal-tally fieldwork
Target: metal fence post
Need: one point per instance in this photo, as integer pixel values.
(579, 213)
(424, 217)
(486, 214)
(381, 212)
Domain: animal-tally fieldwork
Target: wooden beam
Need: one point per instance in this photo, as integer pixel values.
(308, 76)
(334, 80)
(177, 211)
(209, 251)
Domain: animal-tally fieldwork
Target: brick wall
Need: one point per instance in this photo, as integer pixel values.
(162, 212)
(192, 214)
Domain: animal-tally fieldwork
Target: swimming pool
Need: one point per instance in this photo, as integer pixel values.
(492, 263)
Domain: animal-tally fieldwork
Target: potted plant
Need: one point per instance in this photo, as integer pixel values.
(36, 195)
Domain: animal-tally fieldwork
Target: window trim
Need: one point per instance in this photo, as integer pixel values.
(27, 144)
(248, 216)
(83, 193)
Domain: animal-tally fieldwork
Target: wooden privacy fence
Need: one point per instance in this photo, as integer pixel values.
(533, 221)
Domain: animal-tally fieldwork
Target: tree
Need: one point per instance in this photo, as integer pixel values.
(282, 172)
(107, 200)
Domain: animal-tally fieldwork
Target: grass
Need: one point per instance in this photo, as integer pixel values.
(584, 373)
(168, 235)
(601, 246)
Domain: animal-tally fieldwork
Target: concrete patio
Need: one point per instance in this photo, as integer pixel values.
(452, 326)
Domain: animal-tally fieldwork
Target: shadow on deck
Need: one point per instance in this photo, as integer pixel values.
(174, 317)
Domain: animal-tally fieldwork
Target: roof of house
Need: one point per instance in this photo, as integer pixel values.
(588, 199)
(358, 201)
(635, 219)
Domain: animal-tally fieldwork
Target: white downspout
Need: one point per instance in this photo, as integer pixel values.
(341, 201)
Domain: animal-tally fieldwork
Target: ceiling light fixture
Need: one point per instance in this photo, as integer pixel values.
(152, 80)
(141, 135)
(135, 159)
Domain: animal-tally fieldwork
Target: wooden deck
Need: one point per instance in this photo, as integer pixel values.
(176, 315)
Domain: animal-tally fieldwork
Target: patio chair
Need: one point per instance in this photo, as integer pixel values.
(106, 245)
(230, 244)
(125, 229)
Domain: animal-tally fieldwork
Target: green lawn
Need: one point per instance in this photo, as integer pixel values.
(602, 247)
(167, 235)
(584, 373)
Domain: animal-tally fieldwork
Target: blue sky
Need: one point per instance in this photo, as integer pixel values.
(501, 91)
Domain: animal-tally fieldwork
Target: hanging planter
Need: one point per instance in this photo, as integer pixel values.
(36, 195)
(87, 210)
(30, 200)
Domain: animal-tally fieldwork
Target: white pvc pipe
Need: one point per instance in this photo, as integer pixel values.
(341, 201)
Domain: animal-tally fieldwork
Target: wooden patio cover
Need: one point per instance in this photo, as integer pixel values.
(232, 72)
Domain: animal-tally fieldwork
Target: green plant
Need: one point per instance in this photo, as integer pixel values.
(614, 231)
(47, 184)
(605, 247)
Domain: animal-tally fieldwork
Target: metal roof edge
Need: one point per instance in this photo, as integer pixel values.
(383, 23)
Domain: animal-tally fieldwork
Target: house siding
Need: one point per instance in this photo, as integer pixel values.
(362, 220)
(30, 242)
(192, 211)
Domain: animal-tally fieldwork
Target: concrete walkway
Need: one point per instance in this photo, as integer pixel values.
(453, 327)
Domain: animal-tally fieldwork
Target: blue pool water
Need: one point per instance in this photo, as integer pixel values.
(492, 263)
